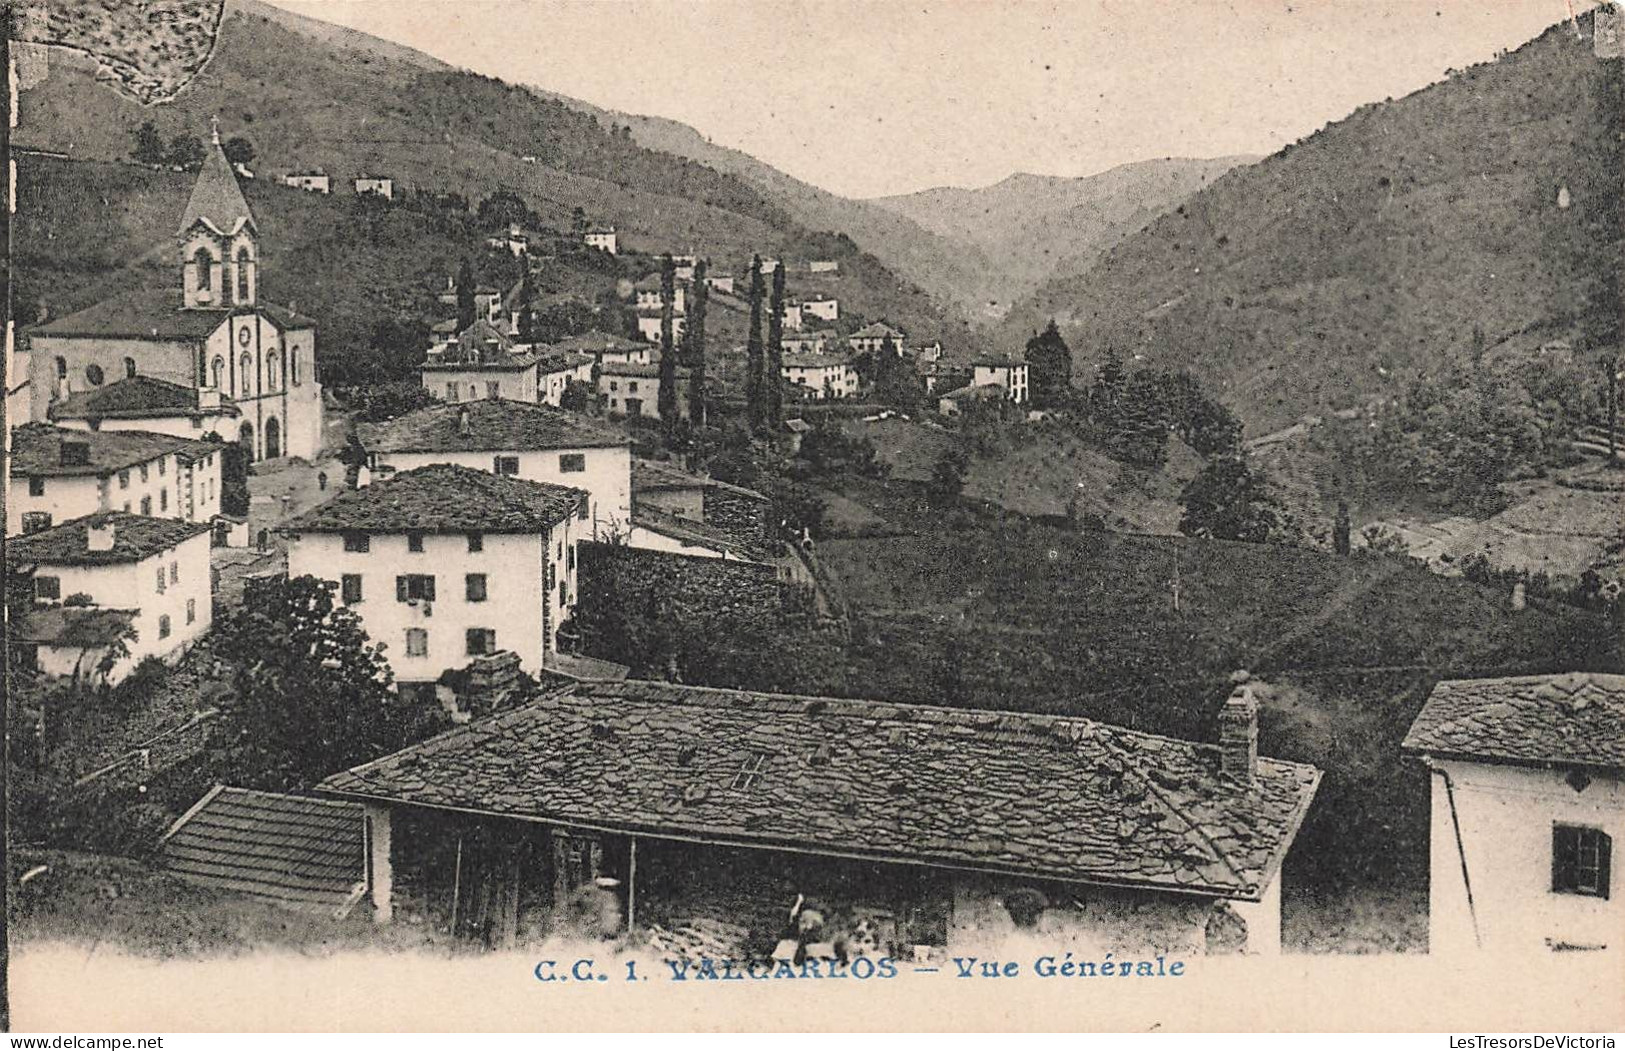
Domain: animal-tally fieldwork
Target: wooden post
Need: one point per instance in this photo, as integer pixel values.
(380, 873)
(456, 884)
(632, 883)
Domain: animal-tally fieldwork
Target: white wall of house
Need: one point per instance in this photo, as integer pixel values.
(184, 426)
(71, 496)
(477, 384)
(824, 381)
(644, 537)
(1012, 378)
(606, 475)
(603, 239)
(649, 327)
(550, 385)
(272, 376)
(514, 567)
(828, 309)
(1506, 815)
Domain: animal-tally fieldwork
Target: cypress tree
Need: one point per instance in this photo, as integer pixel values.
(696, 347)
(754, 409)
(527, 314)
(465, 295)
(668, 352)
(1340, 529)
(773, 367)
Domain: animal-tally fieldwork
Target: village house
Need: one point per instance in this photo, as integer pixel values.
(790, 316)
(634, 390)
(59, 474)
(928, 352)
(1528, 795)
(448, 564)
(649, 327)
(480, 362)
(606, 349)
(556, 370)
(98, 576)
(216, 335)
(905, 831)
(487, 301)
(684, 265)
(720, 283)
(824, 376)
(316, 181)
(825, 308)
(1008, 372)
(377, 185)
(804, 342)
(823, 266)
(601, 238)
(954, 401)
(873, 338)
(143, 403)
(534, 443)
(649, 291)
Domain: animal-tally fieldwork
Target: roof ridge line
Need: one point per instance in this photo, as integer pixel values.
(1191, 826)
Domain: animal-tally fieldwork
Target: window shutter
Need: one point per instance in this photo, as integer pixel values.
(1605, 848)
(400, 589)
(1560, 849)
(428, 588)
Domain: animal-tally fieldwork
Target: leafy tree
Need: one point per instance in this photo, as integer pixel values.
(668, 349)
(465, 295)
(578, 396)
(578, 219)
(239, 150)
(948, 475)
(386, 401)
(527, 311)
(1049, 367)
(1227, 501)
(773, 367)
(310, 693)
(1340, 529)
(695, 335)
(234, 494)
(149, 145)
(755, 392)
(503, 209)
(186, 151)
(1110, 381)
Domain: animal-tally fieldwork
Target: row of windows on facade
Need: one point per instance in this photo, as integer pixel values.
(49, 589)
(95, 376)
(420, 587)
(477, 642)
(39, 521)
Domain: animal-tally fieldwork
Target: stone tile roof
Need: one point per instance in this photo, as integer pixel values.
(650, 475)
(301, 853)
(73, 626)
(217, 200)
(494, 425)
(689, 531)
(136, 398)
(158, 315)
(877, 330)
(135, 537)
(562, 361)
(483, 345)
(1044, 796)
(1575, 719)
(596, 342)
(443, 498)
(36, 449)
(637, 371)
(814, 361)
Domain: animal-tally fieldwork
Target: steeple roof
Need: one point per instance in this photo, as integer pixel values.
(216, 198)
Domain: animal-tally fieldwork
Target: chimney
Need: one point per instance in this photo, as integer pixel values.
(99, 536)
(465, 428)
(1238, 735)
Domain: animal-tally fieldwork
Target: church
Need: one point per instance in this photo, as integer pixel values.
(212, 342)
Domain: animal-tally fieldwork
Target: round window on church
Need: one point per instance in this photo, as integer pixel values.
(93, 373)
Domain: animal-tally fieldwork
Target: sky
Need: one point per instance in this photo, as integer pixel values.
(873, 97)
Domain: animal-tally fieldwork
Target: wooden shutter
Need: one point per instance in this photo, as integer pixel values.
(400, 589)
(1565, 851)
(1605, 847)
(428, 587)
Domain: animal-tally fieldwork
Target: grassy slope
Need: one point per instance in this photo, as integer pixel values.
(307, 102)
(1378, 242)
(1030, 227)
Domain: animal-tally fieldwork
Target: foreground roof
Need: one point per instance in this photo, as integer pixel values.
(36, 449)
(443, 498)
(1575, 719)
(1043, 796)
(494, 425)
(137, 398)
(294, 851)
(158, 315)
(135, 537)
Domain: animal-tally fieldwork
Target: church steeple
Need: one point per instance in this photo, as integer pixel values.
(219, 238)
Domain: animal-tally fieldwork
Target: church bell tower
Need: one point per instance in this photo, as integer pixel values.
(219, 241)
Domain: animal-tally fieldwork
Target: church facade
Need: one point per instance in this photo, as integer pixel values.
(216, 335)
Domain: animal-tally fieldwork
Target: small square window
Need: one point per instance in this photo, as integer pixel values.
(476, 541)
(163, 626)
(417, 642)
(191, 610)
(124, 479)
(414, 587)
(36, 485)
(474, 587)
(750, 771)
(507, 465)
(146, 505)
(481, 641)
(48, 589)
(1580, 860)
(493, 389)
(350, 588)
(414, 542)
(572, 463)
(357, 542)
(36, 521)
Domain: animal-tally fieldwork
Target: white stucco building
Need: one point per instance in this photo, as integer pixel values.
(606, 349)
(536, 443)
(1007, 372)
(97, 576)
(216, 336)
(602, 238)
(377, 185)
(144, 403)
(480, 362)
(1527, 799)
(445, 564)
(876, 337)
(823, 375)
(59, 474)
(316, 181)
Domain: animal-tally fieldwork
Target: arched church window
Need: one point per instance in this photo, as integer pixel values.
(245, 371)
(219, 373)
(293, 365)
(242, 274)
(271, 372)
(202, 261)
(93, 373)
(129, 368)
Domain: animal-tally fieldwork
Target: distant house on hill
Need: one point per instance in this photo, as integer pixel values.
(791, 316)
(649, 291)
(826, 308)
(649, 327)
(606, 349)
(873, 338)
(1528, 796)
(556, 370)
(720, 282)
(805, 342)
(377, 185)
(824, 266)
(602, 238)
(316, 181)
(1007, 372)
(822, 376)
(634, 390)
